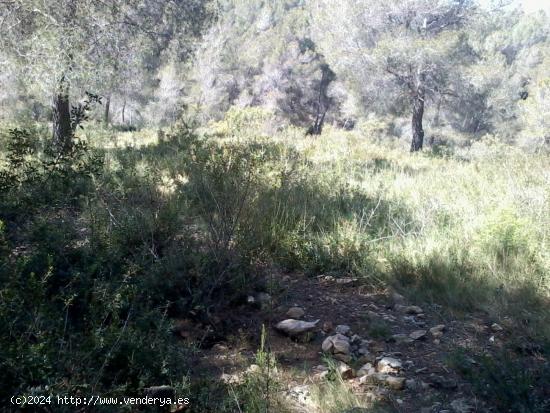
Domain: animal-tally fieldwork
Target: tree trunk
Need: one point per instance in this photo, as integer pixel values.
(323, 102)
(107, 109)
(417, 115)
(62, 131)
(123, 110)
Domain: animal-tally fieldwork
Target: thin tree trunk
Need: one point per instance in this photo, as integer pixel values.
(123, 110)
(323, 101)
(107, 109)
(62, 131)
(417, 115)
(62, 128)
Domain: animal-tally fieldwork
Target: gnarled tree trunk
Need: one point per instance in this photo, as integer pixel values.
(417, 115)
(323, 103)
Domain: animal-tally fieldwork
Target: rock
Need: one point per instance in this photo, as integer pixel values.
(409, 364)
(319, 372)
(412, 309)
(160, 391)
(345, 371)
(253, 368)
(336, 344)
(437, 331)
(230, 378)
(462, 406)
(377, 346)
(412, 384)
(346, 358)
(295, 312)
(389, 365)
(366, 370)
(340, 344)
(401, 338)
(366, 358)
(260, 300)
(397, 298)
(418, 334)
(363, 348)
(372, 315)
(396, 383)
(326, 346)
(496, 327)
(345, 280)
(296, 328)
(442, 382)
(302, 395)
(343, 329)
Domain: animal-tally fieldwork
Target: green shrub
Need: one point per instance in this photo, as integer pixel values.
(509, 383)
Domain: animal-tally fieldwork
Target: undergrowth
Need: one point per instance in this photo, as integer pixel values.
(101, 249)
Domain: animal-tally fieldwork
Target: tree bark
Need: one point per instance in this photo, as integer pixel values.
(107, 109)
(62, 130)
(323, 102)
(417, 115)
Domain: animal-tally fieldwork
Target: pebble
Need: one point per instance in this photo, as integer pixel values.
(343, 329)
(319, 372)
(345, 371)
(496, 327)
(396, 383)
(295, 312)
(412, 309)
(366, 370)
(437, 331)
(418, 334)
(388, 365)
(401, 338)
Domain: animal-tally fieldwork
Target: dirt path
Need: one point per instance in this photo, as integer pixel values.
(385, 321)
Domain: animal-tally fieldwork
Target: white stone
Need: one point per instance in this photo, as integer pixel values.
(295, 328)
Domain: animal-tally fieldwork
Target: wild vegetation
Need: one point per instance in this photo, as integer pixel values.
(162, 162)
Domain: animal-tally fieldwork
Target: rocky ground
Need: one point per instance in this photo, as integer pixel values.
(386, 348)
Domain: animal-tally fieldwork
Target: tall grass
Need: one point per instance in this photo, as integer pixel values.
(467, 230)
